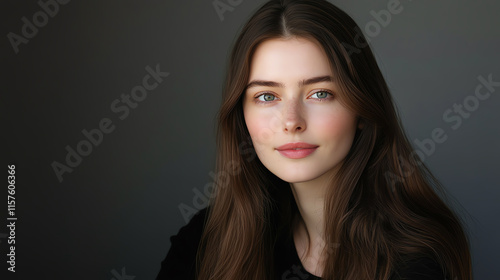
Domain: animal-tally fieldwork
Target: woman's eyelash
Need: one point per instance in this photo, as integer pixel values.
(329, 93)
(326, 98)
(263, 94)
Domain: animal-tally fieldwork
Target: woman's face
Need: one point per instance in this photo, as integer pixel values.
(291, 98)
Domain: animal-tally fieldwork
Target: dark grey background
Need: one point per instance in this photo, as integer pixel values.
(119, 207)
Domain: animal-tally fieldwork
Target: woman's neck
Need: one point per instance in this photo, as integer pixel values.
(308, 226)
(310, 202)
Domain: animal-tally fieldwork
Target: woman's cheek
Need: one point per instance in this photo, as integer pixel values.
(259, 126)
(337, 125)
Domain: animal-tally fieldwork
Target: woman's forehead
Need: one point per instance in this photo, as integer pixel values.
(290, 58)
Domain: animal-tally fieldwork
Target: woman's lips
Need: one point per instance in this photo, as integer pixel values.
(296, 150)
(294, 154)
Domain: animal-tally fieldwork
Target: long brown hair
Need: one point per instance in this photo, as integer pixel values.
(383, 208)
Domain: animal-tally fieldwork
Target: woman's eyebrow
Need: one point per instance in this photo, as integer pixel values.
(304, 82)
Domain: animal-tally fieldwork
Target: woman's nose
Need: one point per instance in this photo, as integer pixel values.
(293, 117)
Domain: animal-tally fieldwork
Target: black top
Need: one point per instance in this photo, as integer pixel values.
(179, 263)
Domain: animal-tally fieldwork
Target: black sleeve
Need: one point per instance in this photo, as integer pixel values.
(179, 264)
(419, 269)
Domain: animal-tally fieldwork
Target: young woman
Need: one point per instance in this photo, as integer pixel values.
(319, 177)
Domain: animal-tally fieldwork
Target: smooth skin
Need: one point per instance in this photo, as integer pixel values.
(284, 103)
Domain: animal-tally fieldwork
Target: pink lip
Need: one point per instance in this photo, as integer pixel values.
(296, 150)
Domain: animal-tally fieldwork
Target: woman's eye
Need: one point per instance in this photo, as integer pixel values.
(266, 97)
(321, 95)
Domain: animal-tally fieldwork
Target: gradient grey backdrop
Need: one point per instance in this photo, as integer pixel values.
(119, 207)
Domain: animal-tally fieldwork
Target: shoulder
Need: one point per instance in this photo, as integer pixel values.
(422, 268)
(181, 258)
